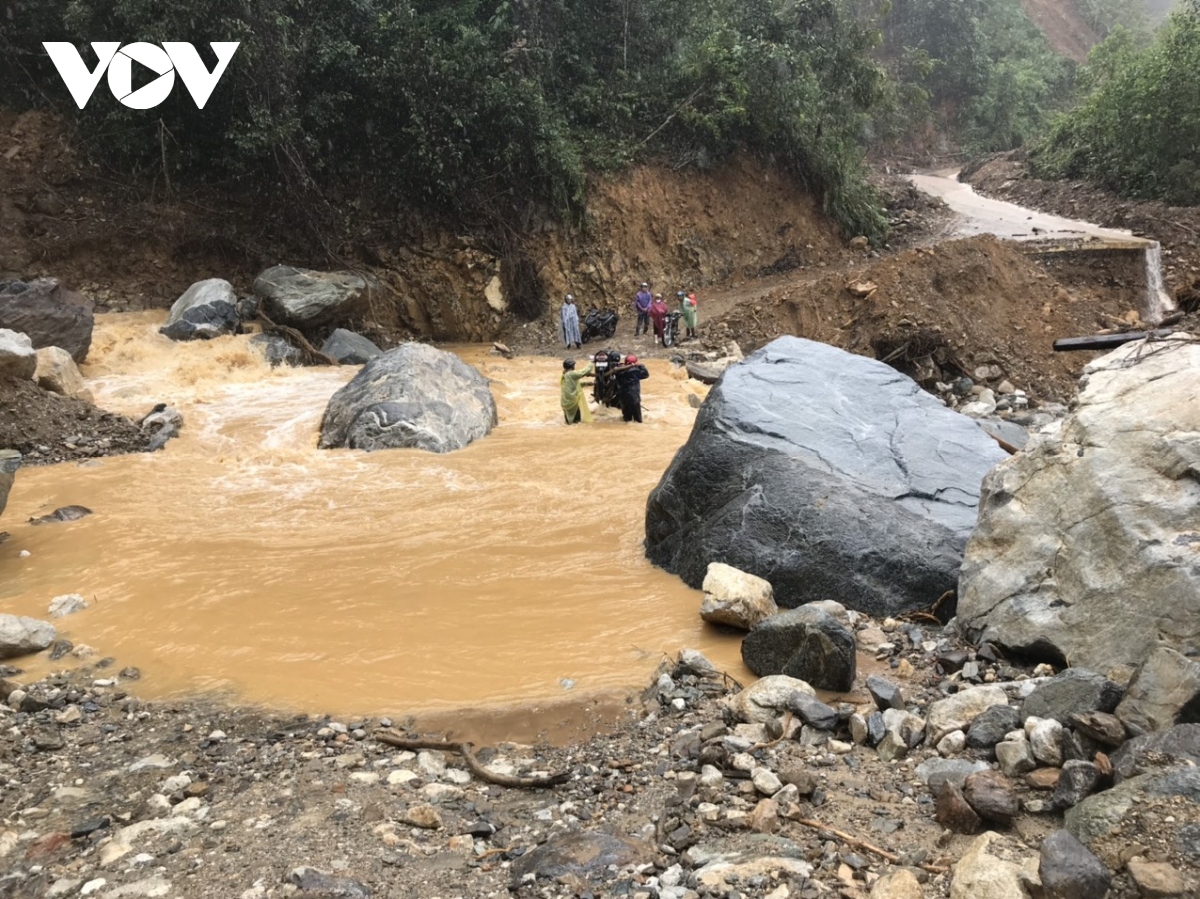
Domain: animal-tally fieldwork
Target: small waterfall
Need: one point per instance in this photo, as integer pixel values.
(1158, 301)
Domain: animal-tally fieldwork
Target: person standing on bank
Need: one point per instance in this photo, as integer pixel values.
(574, 405)
(629, 388)
(658, 316)
(569, 319)
(641, 305)
(687, 306)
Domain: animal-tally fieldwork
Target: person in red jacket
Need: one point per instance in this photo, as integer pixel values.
(658, 316)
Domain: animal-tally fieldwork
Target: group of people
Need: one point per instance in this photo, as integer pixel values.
(652, 310)
(629, 377)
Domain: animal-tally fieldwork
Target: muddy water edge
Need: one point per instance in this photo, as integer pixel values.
(497, 591)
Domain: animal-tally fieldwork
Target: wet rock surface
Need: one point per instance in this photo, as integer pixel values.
(1106, 501)
(49, 314)
(817, 469)
(414, 396)
(206, 310)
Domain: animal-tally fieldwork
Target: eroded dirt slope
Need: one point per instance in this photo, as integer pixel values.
(973, 302)
(1064, 26)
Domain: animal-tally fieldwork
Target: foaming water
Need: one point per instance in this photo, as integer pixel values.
(244, 559)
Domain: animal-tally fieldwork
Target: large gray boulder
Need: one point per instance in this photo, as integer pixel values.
(206, 310)
(831, 475)
(10, 461)
(17, 356)
(20, 636)
(50, 314)
(305, 299)
(412, 396)
(1086, 549)
(348, 348)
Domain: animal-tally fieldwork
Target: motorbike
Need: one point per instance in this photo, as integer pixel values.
(604, 387)
(599, 323)
(671, 329)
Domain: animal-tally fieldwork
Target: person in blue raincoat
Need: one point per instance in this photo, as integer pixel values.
(569, 319)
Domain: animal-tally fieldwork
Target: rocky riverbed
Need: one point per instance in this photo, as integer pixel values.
(941, 774)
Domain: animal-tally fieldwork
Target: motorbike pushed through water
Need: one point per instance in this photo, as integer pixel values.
(604, 386)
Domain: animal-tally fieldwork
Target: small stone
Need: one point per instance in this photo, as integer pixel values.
(1156, 880)
(401, 776)
(432, 763)
(766, 782)
(952, 744)
(711, 776)
(765, 817)
(992, 795)
(892, 747)
(1015, 757)
(875, 728)
(424, 816)
(990, 727)
(812, 711)
(886, 694)
(936, 772)
(1075, 783)
(897, 884)
(1069, 870)
(858, 728)
(1101, 727)
(1045, 739)
(1043, 778)
(953, 811)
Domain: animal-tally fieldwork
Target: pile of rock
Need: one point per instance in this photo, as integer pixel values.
(307, 305)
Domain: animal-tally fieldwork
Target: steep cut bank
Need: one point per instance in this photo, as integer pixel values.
(140, 246)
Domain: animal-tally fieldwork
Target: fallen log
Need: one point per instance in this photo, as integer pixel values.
(528, 782)
(1105, 341)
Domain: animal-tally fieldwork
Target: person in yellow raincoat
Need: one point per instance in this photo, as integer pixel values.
(574, 405)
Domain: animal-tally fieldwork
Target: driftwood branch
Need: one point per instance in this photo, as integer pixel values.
(528, 782)
(312, 356)
(856, 843)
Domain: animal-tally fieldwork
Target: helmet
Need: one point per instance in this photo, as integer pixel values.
(631, 360)
(570, 298)
(644, 284)
(681, 294)
(658, 296)
(568, 364)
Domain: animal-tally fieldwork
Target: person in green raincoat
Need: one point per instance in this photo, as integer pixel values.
(574, 405)
(687, 306)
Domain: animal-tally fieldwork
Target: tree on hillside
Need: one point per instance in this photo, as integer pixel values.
(479, 107)
(1137, 131)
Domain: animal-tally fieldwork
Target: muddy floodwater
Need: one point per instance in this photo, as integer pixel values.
(242, 559)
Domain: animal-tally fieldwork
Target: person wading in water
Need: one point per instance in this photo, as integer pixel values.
(629, 388)
(574, 406)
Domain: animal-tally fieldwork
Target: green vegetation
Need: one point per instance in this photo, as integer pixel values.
(1137, 129)
(978, 70)
(481, 107)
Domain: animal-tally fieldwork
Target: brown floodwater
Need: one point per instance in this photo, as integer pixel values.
(508, 577)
